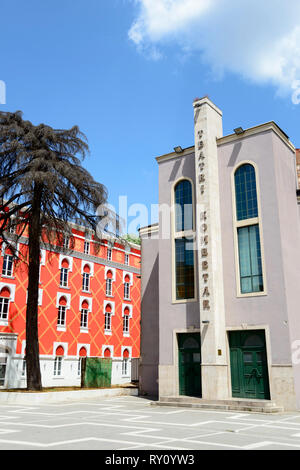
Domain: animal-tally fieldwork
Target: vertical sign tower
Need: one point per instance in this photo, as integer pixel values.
(208, 127)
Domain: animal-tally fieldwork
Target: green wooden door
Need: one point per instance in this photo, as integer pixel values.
(189, 364)
(249, 368)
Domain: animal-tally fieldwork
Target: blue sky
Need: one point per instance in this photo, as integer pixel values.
(127, 74)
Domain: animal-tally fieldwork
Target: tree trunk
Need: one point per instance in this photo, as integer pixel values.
(32, 341)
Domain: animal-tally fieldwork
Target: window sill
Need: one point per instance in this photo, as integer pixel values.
(55, 377)
(3, 323)
(108, 332)
(109, 295)
(86, 291)
(64, 287)
(61, 328)
(5, 276)
(84, 330)
(126, 335)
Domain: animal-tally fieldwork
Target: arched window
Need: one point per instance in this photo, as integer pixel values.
(109, 281)
(184, 259)
(107, 320)
(59, 353)
(84, 314)
(82, 353)
(183, 206)
(125, 362)
(127, 287)
(126, 321)
(248, 232)
(4, 304)
(64, 273)
(61, 316)
(86, 278)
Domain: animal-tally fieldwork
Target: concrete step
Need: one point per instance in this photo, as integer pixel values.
(258, 406)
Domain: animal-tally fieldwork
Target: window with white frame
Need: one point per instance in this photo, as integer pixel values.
(57, 370)
(57, 366)
(107, 321)
(84, 318)
(86, 282)
(126, 259)
(62, 310)
(64, 274)
(125, 362)
(109, 281)
(82, 354)
(4, 304)
(109, 254)
(126, 324)
(8, 263)
(127, 288)
(86, 248)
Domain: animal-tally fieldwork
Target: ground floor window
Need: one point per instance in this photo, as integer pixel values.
(3, 363)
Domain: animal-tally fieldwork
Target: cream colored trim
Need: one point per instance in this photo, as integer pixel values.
(172, 155)
(245, 223)
(269, 126)
(149, 230)
(178, 235)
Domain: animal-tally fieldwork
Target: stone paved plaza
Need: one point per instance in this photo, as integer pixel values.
(131, 423)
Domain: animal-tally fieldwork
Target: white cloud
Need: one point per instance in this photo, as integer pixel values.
(258, 39)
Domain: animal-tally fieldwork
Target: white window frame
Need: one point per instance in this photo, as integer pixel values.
(86, 247)
(64, 277)
(8, 265)
(86, 282)
(4, 302)
(57, 370)
(109, 254)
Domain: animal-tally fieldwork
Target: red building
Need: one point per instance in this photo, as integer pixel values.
(89, 305)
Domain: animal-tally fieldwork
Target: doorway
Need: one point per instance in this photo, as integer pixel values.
(189, 364)
(249, 367)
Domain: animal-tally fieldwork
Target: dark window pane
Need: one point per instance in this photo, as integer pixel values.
(184, 206)
(184, 260)
(250, 259)
(245, 192)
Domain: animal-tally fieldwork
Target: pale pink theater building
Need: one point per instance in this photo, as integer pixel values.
(220, 319)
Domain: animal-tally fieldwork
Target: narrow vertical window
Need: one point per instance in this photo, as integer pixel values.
(7, 269)
(61, 316)
(184, 275)
(4, 304)
(126, 321)
(86, 279)
(126, 259)
(109, 281)
(64, 273)
(58, 361)
(247, 226)
(109, 254)
(107, 319)
(84, 315)
(86, 247)
(127, 288)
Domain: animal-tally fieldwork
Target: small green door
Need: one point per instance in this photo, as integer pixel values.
(249, 367)
(189, 364)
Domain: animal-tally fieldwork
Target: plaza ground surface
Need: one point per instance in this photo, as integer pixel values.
(130, 423)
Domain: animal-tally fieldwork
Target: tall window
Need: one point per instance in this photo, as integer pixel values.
(248, 230)
(7, 269)
(183, 241)
(4, 304)
(107, 321)
(58, 361)
(66, 242)
(109, 254)
(86, 279)
(64, 273)
(126, 321)
(84, 315)
(86, 247)
(126, 259)
(82, 353)
(127, 288)
(125, 362)
(109, 282)
(62, 309)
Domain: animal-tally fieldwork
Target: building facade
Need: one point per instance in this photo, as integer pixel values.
(89, 305)
(220, 271)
